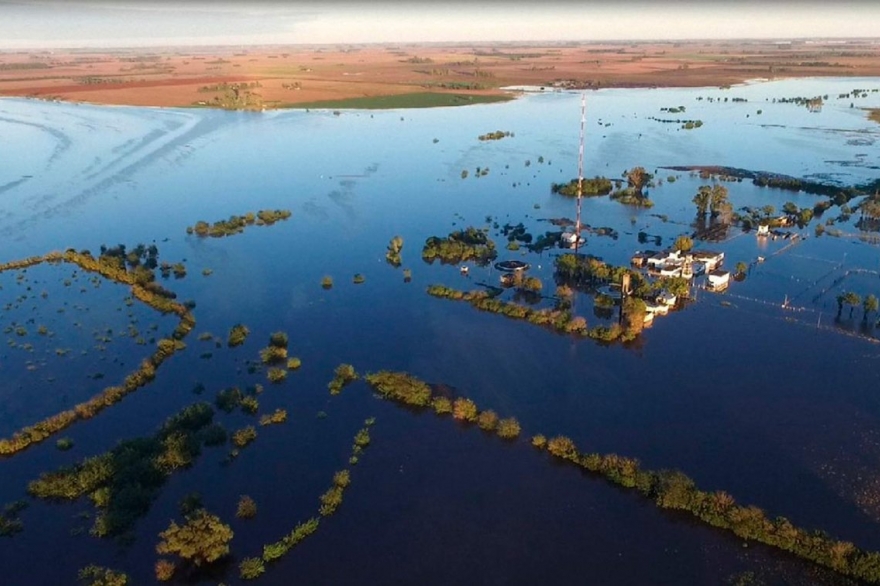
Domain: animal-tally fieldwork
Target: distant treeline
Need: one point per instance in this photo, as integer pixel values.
(18, 66)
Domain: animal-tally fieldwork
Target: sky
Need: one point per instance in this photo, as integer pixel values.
(35, 24)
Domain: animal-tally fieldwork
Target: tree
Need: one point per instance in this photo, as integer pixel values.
(768, 210)
(464, 409)
(852, 299)
(683, 243)
(702, 199)
(871, 208)
(869, 304)
(805, 216)
(634, 310)
(637, 179)
(719, 205)
(741, 268)
(562, 447)
(508, 428)
(204, 538)
(247, 508)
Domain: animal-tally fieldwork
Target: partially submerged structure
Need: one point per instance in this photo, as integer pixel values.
(717, 280)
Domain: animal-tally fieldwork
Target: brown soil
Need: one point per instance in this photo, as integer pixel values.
(291, 75)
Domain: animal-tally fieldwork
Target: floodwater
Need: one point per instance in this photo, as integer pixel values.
(776, 405)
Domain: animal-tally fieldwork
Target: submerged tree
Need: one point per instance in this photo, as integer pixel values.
(702, 199)
(683, 243)
(848, 298)
(392, 255)
(719, 204)
(869, 304)
(637, 179)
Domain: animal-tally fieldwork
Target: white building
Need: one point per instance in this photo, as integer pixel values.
(718, 279)
(664, 258)
(711, 259)
(666, 298)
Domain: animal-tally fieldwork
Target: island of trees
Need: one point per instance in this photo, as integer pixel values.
(497, 135)
(237, 224)
(462, 245)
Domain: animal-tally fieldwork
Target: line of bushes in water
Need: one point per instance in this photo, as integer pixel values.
(672, 489)
(123, 482)
(559, 320)
(237, 224)
(460, 246)
(254, 567)
(408, 390)
(139, 280)
(667, 489)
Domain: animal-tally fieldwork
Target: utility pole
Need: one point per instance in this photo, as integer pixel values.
(580, 193)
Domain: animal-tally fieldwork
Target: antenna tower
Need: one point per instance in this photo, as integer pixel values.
(580, 192)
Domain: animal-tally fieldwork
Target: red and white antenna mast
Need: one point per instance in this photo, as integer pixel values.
(580, 192)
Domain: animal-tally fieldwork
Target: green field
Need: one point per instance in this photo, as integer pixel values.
(415, 100)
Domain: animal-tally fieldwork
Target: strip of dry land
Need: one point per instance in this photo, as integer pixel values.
(386, 76)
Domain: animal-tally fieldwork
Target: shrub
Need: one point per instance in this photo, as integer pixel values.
(251, 568)
(327, 282)
(508, 428)
(64, 444)
(273, 354)
(278, 339)
(392, 255)
(342, 375)
(441, 405)
(342, 478)
(539, 441)
(249, 405)
(97, 576)
(362, 438)
(276, 375)
(358, 279)
(330, 501)
(674, 490)
(244, 436)
(562, 447)
(487, 420)
(237, 335)
(279, 416)
(247, 508)
(293, 363)
(164, 570)
(464, 409)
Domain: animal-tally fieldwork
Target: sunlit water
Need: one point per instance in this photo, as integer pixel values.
(778, 407)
